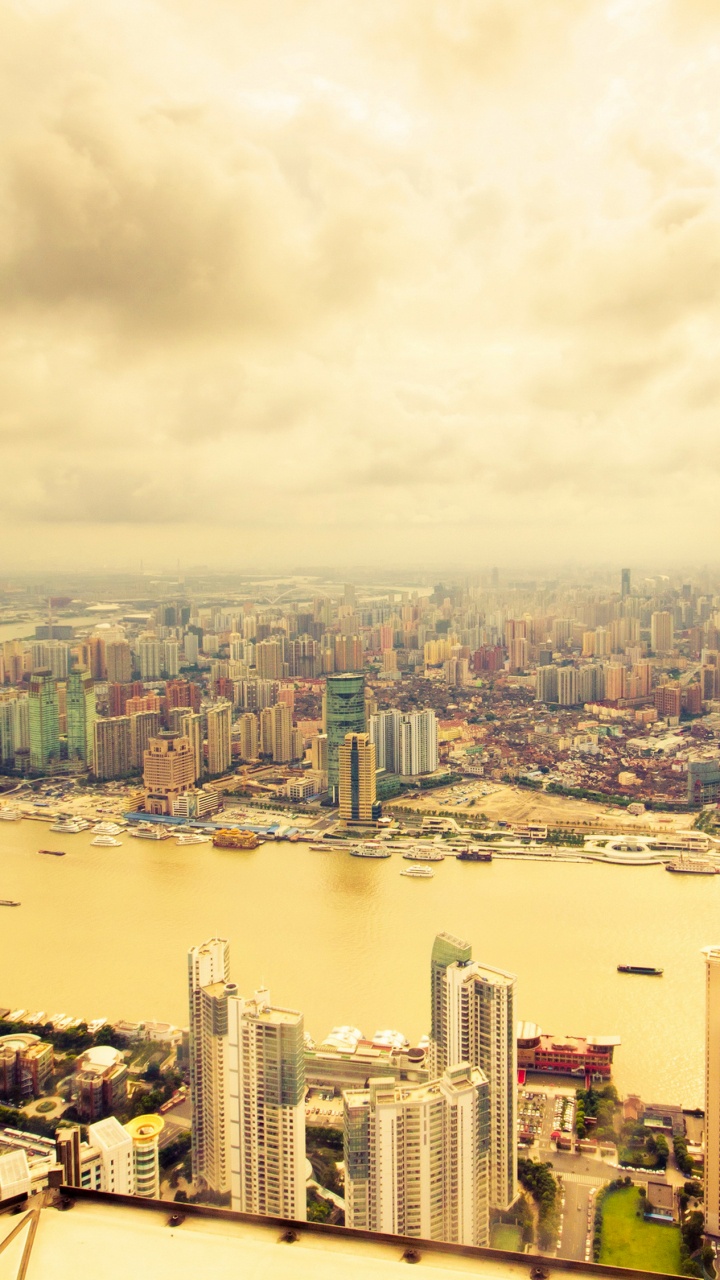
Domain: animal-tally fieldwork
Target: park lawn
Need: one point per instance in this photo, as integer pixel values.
(505, 1236)
(629, 1241)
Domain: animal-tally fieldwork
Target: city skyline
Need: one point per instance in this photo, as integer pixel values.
(281, 289)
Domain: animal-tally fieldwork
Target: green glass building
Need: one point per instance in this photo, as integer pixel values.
(44, 716)
(344, 713)
(80, 716)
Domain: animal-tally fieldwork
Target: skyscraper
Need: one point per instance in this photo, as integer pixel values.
(266, 1106)
(416, 1157)
(119, 661)
(80, 695)
(418, 743)
(712, 1090)
(384, 729)
(661, 632)
(44, 721)
(624, 583)
(356, 790)
(219, 729)
(208, 968)
(168, 771)
(472, 1020)
(344, 713)
(112, 748)
(247, 1073)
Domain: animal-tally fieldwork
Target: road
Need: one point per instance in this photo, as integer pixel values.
(573, 1237)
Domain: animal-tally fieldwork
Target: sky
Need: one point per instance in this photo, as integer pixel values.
(401, 282)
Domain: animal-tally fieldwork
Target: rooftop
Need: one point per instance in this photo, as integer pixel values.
(126, 1238)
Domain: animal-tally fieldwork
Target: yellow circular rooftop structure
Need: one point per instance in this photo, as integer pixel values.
(145, 1128)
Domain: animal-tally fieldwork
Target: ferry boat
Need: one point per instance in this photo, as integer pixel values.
(192, 837)
(70, 826)
(473, 854)
(8, 902)
(424, 855)
(107, 842)
(106, 829)
(692, 867)
(10, 815)
(418, 873)
(645, 969)
(370, 850)
(150, 831)
(53, 853)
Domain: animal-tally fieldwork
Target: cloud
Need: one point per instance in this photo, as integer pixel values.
(292, 269)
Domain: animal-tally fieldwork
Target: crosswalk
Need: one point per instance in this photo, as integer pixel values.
(584, 1179)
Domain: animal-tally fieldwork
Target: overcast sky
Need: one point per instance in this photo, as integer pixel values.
(359, 281)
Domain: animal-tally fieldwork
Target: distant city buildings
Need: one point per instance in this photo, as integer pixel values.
(712, 1091)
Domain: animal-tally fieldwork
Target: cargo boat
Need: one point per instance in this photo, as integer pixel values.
(8, 902)
(645, 969)
(474, 855)
(53, 853)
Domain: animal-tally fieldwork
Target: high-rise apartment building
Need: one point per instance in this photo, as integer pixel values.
(357, 785)
(208, 967)
(249, 744)
(614, 681)
(712, 1090)
(247, 1071)
(44, 721)
(344, 713)
(546, 684)
(473, 1021)
(118, 658)
(661, 632)
(417, 1157)
(270, 659)
(219, 739)
(151, 655)
(112, 748)
(266, 1106)
(418, 743)
(144, 725)
(567, 686)
(281, 733)
(80, 714)
(384, 730)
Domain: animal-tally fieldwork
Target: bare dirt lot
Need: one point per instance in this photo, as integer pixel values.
(519, 804)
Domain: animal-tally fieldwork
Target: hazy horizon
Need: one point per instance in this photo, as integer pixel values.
(407, 284)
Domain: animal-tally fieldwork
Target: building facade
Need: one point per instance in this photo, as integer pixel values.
(344, 713)
(472, 1020)
(357, 784)
(417, 1157)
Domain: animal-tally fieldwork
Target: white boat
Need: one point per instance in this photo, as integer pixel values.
(107, 842)
(192, 837)
(150, 831)
(370, 851)
(70, 826)
(418, 873)
(10, 815)
(106, 829)
(424, 855)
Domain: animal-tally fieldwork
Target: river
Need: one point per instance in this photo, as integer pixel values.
(104, 932)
